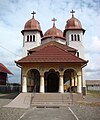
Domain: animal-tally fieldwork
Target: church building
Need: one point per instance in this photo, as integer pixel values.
(53, 62)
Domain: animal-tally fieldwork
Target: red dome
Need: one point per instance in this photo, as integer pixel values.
(73, 23)
(32, 24)
(53, 33)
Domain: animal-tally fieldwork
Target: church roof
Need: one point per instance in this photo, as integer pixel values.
(4, 69)
(73, 24)
(51, 53)
(53, 32)
(62, 46)
(32, 25)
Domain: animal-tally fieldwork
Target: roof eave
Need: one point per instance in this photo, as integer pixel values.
(32, 30)
(64, 33)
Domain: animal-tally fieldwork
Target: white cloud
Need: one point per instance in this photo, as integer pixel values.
(93, 46)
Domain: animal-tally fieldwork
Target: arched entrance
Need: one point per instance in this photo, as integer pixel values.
(52, 81)
(33, 80)
(70, 80)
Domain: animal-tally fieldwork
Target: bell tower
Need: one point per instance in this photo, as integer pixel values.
(31, 34)
(74, 35)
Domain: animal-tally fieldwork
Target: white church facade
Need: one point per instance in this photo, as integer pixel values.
(53, 62)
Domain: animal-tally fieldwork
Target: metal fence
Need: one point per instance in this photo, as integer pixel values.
(9, 88)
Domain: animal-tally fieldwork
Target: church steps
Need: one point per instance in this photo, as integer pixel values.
(49, 99)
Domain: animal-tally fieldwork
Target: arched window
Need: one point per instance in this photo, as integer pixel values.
(75, 37)
(33, 38)
(71, 37)
(30, 38)
(77, 54)
(27, 38)
(78, 37)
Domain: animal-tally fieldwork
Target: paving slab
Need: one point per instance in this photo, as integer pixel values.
(21, 101)
(62, 113)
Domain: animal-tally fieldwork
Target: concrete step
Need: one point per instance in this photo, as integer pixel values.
(55, 99)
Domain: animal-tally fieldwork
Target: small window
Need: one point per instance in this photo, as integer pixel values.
(75, 37)
(33, 38)
(77, 54)
(72, 37)
(30, 38)
(78, 37)
(27, 38)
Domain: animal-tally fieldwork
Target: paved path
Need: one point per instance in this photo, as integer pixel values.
(21, 101)
(62, 113)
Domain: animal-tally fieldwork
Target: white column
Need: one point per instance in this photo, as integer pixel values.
(83, 75)
(75, 80)
(72, 81)
(61, 85)
(24, 84)
(42, 84)
(79, 84)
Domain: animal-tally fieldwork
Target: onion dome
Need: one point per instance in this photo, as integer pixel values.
(53, 32)
(32, 25)
(73, 24)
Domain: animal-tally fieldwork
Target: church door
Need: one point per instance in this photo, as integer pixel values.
(52, 82)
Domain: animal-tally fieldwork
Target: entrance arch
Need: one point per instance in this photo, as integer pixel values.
(70, 80)
(52, 81)
(33, 80)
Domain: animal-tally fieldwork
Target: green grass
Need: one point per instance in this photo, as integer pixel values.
(95, 93)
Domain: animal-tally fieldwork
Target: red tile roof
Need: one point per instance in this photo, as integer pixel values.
(92, 82)
(64, 47)
(4, 69)
(51, 52)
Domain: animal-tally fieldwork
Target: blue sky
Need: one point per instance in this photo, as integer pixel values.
(14, 14)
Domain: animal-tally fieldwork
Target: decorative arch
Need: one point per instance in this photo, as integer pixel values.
(32, 68)
(33, 80)
(70, 80)
(51, 68)
(71, 68)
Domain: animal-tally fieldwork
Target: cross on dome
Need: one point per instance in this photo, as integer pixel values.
(33, 13)
(72, 12)
(54, 20)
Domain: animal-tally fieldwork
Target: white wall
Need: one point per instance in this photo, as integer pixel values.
(76, 44)
(30, 45)
(94, 87)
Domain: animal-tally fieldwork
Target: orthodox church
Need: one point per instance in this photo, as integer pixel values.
(53, 62)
